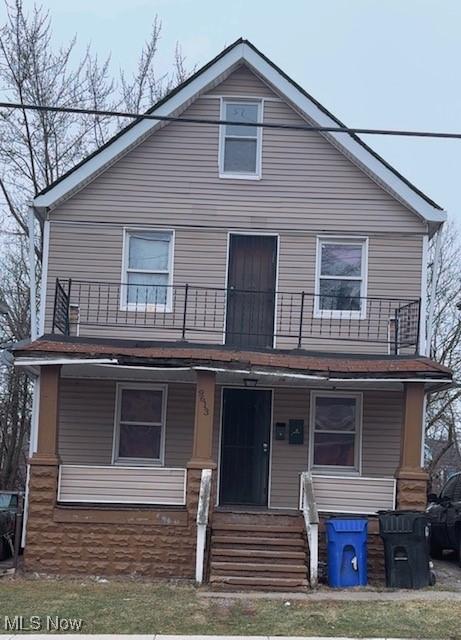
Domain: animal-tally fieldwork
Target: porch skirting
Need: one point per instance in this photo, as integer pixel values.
(147, 541)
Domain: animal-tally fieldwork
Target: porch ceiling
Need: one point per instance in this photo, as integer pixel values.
(182, 357)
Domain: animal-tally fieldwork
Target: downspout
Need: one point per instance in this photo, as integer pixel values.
(430, 328)
(32, 275)
(435, 277)
(36, 380)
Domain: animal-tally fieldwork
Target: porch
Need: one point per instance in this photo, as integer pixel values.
(108, 474)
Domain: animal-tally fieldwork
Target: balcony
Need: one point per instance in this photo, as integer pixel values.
(237, 318)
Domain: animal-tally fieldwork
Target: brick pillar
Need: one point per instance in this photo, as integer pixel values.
(42, 536)
(411, 477)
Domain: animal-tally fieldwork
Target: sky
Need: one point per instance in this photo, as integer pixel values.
(373, 63)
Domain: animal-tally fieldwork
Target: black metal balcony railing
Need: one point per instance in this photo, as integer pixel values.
(237, 317)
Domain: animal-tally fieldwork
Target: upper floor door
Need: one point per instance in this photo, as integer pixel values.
(251, 287)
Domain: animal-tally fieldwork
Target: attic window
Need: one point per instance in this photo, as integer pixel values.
(240, 145)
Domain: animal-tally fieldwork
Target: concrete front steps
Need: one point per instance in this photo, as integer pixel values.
(262, 551)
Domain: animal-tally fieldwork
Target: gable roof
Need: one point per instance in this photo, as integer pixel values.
(243, 52)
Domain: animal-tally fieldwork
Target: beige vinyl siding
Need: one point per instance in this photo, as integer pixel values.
(288, 460)
(171, 181)
(86, 424)
(200, 259)
(354, 495)
(86, 421)
(381, 428)
(173, 177)
(115, 484)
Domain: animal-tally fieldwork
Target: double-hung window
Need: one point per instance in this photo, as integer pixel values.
(240, 144)
(341, 278)
(147, 270)
(139, 424)
(335, 431)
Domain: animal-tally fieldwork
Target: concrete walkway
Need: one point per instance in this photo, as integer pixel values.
(350, 595)
(38, 636)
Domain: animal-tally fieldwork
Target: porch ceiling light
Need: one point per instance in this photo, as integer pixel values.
(250, 382)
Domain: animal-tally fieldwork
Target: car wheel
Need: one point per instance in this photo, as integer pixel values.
(459, 547)
(3, 549)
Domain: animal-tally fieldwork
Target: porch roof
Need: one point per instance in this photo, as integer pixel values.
(181, 354)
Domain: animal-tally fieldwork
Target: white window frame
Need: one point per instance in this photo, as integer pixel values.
(139, 386)
(337, 313)
(140, 306)
(222, 139)
(333, 469)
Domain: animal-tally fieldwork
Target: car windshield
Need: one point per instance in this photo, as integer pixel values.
(5, 500)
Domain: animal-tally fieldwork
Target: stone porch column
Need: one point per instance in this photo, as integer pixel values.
(43, 477)
(411, 477)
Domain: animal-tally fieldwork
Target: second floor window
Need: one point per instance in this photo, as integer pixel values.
(148, 267)
(240, 145)
(341, 278)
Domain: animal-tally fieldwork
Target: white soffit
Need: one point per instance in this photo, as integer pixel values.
(241, 52)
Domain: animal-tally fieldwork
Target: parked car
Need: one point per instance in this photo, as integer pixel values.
(8, 509)
(444, 512)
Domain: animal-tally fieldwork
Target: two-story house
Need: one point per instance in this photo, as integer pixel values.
(232, 303)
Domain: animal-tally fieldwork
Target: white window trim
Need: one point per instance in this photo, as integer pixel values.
(325, 313)
(157, 462)
(259, 139)
(336, 469)
(162, 308)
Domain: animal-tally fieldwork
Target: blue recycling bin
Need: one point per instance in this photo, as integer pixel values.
(347, 552)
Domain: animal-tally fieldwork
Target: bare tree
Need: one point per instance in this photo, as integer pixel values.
(146, 86)
(443, 422)
(36, 147)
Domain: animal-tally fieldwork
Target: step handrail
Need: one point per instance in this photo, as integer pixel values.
(311, 522)
(202, 522)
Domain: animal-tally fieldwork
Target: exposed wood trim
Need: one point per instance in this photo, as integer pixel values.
(202, 451)
(412, 433)
(48, 417)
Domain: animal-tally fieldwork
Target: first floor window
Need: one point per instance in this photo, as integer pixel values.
(335, 429)
(147, 282)
(139, 424)
(341, 277)
(240, 143)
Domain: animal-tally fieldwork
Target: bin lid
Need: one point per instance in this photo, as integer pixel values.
(347, 524)
(402, 521)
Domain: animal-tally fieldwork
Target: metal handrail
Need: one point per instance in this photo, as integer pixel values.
(311, 523)
(202, 522)
(189, 310)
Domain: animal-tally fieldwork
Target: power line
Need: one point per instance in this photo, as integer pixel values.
(210, 121)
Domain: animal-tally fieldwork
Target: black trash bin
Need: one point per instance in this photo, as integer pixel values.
(406, 549)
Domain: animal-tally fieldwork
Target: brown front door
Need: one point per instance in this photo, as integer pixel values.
(245, 444)
(251, 291)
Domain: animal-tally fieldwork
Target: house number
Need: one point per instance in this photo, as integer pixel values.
(203, 402)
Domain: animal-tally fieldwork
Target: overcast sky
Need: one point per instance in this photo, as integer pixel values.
(373, 63)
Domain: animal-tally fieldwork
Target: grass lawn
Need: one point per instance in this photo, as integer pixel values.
(139, 607)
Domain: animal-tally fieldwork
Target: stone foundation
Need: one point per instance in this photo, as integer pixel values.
(151, 542)
(412, 491)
